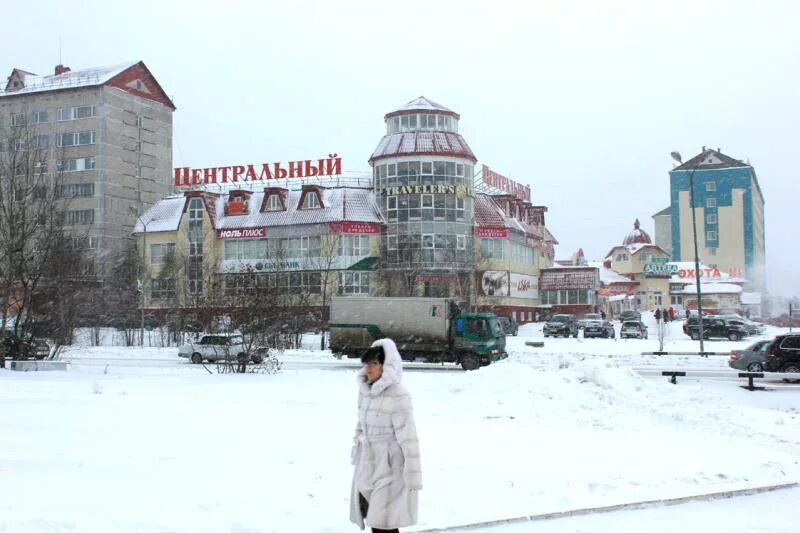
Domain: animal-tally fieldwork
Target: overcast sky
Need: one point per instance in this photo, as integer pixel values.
(583, 101)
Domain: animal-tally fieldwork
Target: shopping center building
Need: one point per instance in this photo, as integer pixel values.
(425, 223)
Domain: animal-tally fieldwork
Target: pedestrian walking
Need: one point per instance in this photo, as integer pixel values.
(671, 313)
(387, 474)
(658, 314)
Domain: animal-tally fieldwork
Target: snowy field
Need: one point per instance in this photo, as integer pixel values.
(115, 447)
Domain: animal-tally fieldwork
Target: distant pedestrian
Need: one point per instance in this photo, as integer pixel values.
(671, 313)
(658, 315)
(603, 315)
(665, 316)
(387, 475)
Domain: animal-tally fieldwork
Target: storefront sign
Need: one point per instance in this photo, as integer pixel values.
(523, 192)
(522, 286)
(708, 303)
(460, 191)
(660, 269)
(242, 233)
(354, 227)
(196, 177)
(491, 233)
(704, 273)
(494, 283)
(435, 278)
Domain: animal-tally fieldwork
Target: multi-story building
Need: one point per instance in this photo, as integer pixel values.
(729, 210)
(108, 132)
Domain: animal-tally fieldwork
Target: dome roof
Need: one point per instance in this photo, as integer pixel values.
(423, 143)
(421, 105)
(637, 236)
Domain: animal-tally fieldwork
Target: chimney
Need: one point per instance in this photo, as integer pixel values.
(61, 69)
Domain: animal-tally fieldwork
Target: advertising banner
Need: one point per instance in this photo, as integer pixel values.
(354, 227)
(242, 233)
(522, 286)
(494, 283)
(494, 233)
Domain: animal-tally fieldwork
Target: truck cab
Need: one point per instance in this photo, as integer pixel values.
(479, 339)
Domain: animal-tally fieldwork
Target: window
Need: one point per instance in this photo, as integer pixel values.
(493, 248)
(162, 289)
(711, 202)
(75, 113)
(75, 165)
(676, 300)
(18, 119)
(391, 242)
(711, 219)
(621, 258)
(39, 117)
(76, 138)
(82, 216)
(712, 252)
(711, 235)
(42, 142)
(311, 201)
(711, 186)
(354, 283)
(354, 245)
(72, 190)
(160, 252)
(274, 203)
(83, 243)
(428, 241)
(19, 145)
(461, 242)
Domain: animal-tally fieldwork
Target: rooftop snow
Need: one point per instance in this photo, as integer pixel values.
(69, 80)
(423, 142)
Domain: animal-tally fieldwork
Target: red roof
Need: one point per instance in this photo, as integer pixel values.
(423, 143)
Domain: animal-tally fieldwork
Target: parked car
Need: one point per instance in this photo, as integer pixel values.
(588, 317)
(783, 354)
(562, 325)
(24, 347)
(214, 347)
(718, 328)
(633, 329)
(635, 316)
(599, 328)
(751, 358)
(509, 325)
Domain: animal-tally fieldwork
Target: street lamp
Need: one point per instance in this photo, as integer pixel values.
(677, 157)
(142, 270)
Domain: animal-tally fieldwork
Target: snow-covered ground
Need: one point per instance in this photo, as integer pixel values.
(570, 425)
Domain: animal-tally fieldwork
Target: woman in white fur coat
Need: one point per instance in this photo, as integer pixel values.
(386, 452)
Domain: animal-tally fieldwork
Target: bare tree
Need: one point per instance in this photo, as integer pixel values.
(44, 272)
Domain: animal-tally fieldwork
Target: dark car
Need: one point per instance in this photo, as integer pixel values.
(783, 354)
(633, 329)
(751, 358)
(509, 325)
(630, 315)
(561, 326)
(598, 328)
(716, 328)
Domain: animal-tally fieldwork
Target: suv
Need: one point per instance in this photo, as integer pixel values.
(214, 347)
(783, 354)
(716, 328)
(561, 325)
(634, 316)
(633, 329)
(588, 317)
(509, 325)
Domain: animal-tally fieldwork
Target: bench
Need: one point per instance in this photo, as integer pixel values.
(750, 376)
(34, 365)
(673, 375)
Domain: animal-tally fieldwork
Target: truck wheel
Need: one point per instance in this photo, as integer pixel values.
(470, 362)
(695, 336)
(197, 358)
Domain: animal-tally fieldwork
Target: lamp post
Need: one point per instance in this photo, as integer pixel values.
(142, 269)
(677, 157)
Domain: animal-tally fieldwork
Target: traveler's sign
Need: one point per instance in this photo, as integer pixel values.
(242, 233)
(261, 172)
(460, 191)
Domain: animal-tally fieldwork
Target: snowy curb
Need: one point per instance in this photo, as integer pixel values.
(609, 508)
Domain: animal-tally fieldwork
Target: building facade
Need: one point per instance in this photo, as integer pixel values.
(108, 132)
(729, 209)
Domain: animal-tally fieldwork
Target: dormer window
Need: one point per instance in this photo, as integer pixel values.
(311, 201)
(237, 205)
(274, 203)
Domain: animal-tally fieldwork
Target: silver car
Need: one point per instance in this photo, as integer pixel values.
(214, 348)
(751, 358)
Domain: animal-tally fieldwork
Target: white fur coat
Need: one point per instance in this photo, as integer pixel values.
(386, 451)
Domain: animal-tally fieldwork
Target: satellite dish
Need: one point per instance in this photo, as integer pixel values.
(676, 156)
